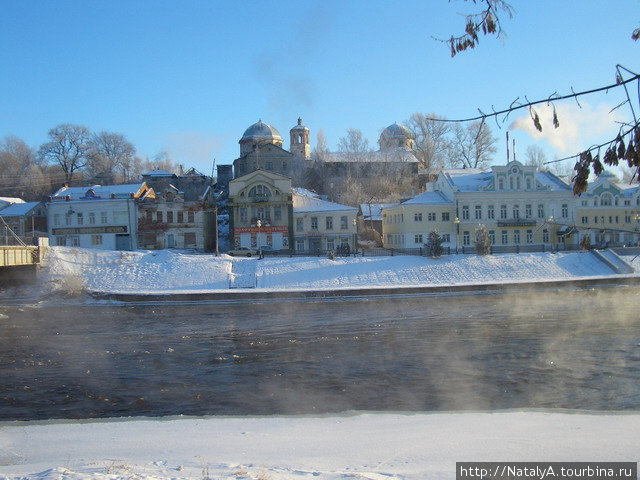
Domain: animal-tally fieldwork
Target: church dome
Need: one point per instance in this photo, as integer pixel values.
(261, 131)
(299, 127)
(396, 136)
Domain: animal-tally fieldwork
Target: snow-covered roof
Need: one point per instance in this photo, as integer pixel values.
(11, 200)
(18, 209)
(376, 210)
(468, 179)
(98, 192)
(552, 181)
(307, 204)
(607, 176)
(429, 198)
(304, 192)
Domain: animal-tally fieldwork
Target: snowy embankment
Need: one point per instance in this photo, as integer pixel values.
(166, 272)
(364, 446)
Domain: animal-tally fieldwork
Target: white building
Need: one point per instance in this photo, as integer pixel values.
(320, 225)
(98, 216)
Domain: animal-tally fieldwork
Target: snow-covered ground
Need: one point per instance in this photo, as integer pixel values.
(380, 446)
(165, 271)
(359, 445)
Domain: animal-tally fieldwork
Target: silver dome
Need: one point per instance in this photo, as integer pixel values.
(261, 131)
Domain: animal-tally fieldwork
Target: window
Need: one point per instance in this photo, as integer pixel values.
(159, 216)
(96, 239)
(103, 217)
(80, 218)
(478, 212)
(418, 238)
(605, 199)
(169, 217)
(314, 223)
(584, 219)
(67, 220)
(190, 217)
(92, 218)
(617, 219)
(243, 215)
(540, 210)
(61, 241)
(545, 235)
(331, 243)
(260, 191)
(300, 244)
(190, 239)
(446, 237)
(445, 216)
(627, 219)
(529, 236)
(269, 165)
(505, 237)
(466, 238)
(528, 211)
(503, 212)
(344, 224)
(492, 237)
(277, 213)
(501, 184)
(528, 183)
(516, 211)
(516, 236)
(56, 219)
(299, 225)
(595, 219)
(329, 223)
(627, 202)
(465, 212)
(491, 214)
(610, 219)
(180, 216)
(565, 210)
(417, 217)
(431, 216)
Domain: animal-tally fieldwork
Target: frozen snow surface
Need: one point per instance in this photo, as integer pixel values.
(166, 271)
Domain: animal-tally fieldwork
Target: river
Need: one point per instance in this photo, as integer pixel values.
(552, 349)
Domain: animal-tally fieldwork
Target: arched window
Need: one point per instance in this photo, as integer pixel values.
(260, 191)
(501, 184)
(606, 199)
(528, 183)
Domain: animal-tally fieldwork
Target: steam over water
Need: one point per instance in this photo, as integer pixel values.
(577, 350)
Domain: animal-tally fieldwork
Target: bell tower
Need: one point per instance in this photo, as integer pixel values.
(299, 136)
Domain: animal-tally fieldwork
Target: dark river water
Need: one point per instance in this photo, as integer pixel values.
(568, 349)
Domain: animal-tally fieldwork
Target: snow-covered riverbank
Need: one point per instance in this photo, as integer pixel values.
(166, 272)
(361, 446)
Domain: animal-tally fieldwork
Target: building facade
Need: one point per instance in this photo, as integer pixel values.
(608, 213)
(519, 205)
(102, 217)
(28, 219)
(321, 225)
(261, 211)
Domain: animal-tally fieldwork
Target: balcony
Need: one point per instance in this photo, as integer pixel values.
(517, 222)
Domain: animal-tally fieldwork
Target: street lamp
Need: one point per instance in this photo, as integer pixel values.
(355, 236)
(457, 222)
(259, 224)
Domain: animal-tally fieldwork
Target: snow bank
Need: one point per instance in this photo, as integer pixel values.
(365, 446)
(167, 271)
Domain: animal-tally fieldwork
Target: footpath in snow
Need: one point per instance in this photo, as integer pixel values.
(169, 272)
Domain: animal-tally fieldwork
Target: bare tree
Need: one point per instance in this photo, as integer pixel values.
(472, 146)
(69, 147)
(354, 145)
(431, 139)
(535, 156)
(110, 157)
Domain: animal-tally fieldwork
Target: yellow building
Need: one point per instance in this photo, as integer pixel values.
(608, 213)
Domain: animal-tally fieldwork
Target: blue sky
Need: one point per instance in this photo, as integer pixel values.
(188, 77)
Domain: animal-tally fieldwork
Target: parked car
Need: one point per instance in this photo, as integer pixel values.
(242, 252)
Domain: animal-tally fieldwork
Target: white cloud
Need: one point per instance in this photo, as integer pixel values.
(579, 128)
